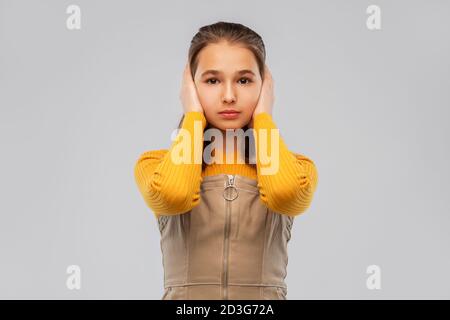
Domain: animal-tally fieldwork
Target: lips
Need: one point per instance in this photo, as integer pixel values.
(229, 111)
(229, 114)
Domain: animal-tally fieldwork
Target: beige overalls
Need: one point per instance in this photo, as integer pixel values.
(230, 246)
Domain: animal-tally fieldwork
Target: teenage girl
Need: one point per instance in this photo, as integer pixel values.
(225, 225)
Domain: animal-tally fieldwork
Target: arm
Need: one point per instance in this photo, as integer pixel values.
(169, 188)
(289, 190)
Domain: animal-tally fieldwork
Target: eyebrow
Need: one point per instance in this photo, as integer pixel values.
(215, 72)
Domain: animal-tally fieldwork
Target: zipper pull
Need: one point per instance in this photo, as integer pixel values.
(230, 192)
(230, 180)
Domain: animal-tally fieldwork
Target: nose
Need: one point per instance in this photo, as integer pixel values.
(229, 95)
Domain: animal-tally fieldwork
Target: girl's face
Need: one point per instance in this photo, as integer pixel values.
(227, 77)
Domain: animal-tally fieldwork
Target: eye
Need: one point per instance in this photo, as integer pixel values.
(248, 80)
(207, 81)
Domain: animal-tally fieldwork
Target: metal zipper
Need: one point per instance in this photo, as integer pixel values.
(229, 187)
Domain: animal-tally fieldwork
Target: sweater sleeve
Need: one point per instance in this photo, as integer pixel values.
(168, 187)
(289, 189)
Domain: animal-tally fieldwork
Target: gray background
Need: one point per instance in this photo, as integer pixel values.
(371, 108)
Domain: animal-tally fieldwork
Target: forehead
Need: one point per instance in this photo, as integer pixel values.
(226, 58)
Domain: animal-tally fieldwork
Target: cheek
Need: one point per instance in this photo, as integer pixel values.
(247, 116)
(249, 96)
(249, 99)
(208, 99)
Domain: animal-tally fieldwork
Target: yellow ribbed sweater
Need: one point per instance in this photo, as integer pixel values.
(169, 188)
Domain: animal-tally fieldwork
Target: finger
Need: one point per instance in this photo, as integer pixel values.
(191, 76)
(269, 74)
(266, 70)
(186, 68)
(266, 74)
(185, 71)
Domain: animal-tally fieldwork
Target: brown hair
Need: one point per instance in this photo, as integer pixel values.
(233, 33)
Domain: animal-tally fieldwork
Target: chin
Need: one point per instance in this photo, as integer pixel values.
(233, 125)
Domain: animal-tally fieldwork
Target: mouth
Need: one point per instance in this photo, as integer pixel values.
(229, 114)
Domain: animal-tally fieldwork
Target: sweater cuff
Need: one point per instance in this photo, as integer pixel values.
(191, 116)
(263, 120)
